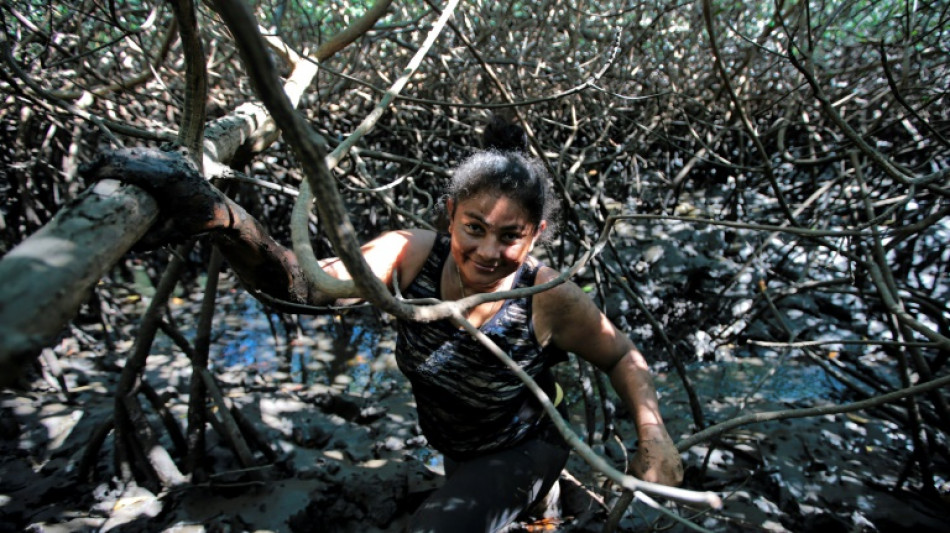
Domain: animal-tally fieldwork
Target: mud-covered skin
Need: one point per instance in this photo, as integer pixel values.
(657, 460)
(189, 204)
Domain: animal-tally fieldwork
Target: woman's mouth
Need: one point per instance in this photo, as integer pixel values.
(484, 268)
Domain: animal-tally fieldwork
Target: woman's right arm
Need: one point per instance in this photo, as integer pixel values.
(189, 205)
(262, 264)
(265, 265)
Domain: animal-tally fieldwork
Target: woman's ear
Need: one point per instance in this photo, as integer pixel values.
(449, 214)
(537, 234)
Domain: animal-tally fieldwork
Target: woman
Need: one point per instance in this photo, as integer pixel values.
(502, 454)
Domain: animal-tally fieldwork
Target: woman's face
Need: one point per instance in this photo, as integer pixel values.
(492, 235)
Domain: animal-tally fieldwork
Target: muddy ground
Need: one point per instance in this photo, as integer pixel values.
(351, 458)
(325, 395)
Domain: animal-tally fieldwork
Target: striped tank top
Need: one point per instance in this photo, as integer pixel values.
(468, 402)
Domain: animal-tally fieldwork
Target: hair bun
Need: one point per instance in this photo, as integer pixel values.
(504, 136)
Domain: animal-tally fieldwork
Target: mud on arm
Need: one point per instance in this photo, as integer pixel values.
(190, 206)
(262, 264)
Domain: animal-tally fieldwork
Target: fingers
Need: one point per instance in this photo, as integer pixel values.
(658, 461)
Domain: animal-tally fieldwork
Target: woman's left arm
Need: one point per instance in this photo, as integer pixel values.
(657, 458)
(566, 316)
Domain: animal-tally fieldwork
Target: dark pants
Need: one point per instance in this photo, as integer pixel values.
(490, 492)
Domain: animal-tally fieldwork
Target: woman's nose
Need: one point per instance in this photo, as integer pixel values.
(489, 248)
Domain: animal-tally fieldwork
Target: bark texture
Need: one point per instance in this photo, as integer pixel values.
(47, 277)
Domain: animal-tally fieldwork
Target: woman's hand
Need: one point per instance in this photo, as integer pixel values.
(657, 460)
(189, 205)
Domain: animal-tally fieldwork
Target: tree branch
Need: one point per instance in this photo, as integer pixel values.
(714, 431)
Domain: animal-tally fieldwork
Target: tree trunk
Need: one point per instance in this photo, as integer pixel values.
(48, 276)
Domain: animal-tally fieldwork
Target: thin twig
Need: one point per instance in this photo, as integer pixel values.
(713, 431)
(628, 482)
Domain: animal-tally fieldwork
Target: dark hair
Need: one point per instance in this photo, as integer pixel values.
(504, 168)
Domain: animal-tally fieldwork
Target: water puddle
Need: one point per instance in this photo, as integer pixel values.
(353, 352)
(765, 378)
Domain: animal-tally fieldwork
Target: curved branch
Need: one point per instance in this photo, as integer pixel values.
(309, 147)
(305, 67)
(895, 90)
(355, 30)
(805, 232)
(709, 499)
(132, 81)
(370, 287)
(194, 109)
(589, 83)
(890, 168)
(49, 101)
(743, 116)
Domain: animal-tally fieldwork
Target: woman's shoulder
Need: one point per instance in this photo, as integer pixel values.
(404, 243)
(563, 300)
(407, 249)
(558, 293)
(564, 314)
(414, 236)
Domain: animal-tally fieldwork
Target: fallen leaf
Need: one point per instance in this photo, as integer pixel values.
(128, 502)
(857, 419)
(545, 524)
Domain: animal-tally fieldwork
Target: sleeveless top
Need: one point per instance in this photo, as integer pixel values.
(468, 401)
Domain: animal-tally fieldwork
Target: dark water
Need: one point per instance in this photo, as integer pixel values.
(775, 379)
(355, 352)
(350, 350)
